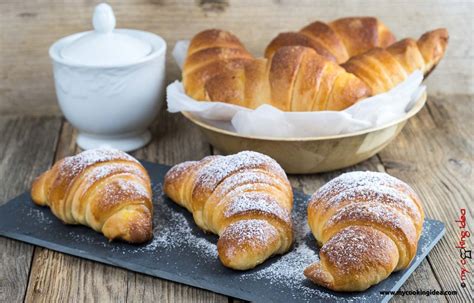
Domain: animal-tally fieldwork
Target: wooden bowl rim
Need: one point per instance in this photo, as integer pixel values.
(416, 108)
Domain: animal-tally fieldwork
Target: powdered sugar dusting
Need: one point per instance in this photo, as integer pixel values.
(367, 179)
(119, 188)
(178, 169)
(256, 201)
(107, 169)
(371, 212)
(247, 178)
(39, 216)
(212, 174)
(75, 164)
(353, 248)
(251, 232)
(378, 195)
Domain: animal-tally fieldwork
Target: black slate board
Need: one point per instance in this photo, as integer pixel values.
(182, 253)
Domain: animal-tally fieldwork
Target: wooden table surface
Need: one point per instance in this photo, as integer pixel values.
(434, 153)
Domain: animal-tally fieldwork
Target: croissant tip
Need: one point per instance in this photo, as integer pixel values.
(439, 33)
(316, 274)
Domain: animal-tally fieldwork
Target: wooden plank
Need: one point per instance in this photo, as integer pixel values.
(143, 288)
(26, 148)
(30, 27)
(434, 155)
(423, 278)
(56, 277)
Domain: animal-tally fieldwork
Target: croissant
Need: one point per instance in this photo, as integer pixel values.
(244, 198)
(368, 224)
(338, 40)
(210, 52)
(382, 69)
(295, 78)
(104, 189)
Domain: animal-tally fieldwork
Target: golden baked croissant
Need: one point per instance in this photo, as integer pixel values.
(210, 52)
(368, 224)
(104, 189)
(219, 68)
(244, 198)
(338, 40)
(382, 69)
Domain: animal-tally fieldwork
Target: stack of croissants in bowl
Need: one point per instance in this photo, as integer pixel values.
(367, 223)
(324, 66)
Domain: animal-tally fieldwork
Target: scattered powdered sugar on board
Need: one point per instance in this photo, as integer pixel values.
(80, 237)
(172, 230)
(425, 231)
(39, 216)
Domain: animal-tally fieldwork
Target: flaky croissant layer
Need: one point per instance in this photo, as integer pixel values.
(382, 69)
(338, 40)
(368, 224)
(244, 198)
(104, 189)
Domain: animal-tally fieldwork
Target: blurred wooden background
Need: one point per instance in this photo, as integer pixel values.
(28, 28)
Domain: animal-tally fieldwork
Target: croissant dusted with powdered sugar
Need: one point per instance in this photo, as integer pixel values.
(338, 40)
(368, 224)
(295, 78)
(104, 189)
(244, 198)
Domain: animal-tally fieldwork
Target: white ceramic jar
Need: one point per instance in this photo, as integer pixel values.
(110, 82)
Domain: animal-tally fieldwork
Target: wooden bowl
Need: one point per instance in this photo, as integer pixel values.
(311, 154)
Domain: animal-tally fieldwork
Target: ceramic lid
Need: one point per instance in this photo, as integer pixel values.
(104, 45)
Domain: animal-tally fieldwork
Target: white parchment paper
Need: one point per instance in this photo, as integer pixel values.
(269, 121)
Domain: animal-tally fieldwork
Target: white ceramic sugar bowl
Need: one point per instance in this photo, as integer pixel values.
(110, 82)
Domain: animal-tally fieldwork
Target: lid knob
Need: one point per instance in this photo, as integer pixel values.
(106, 46)
(103, 19)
